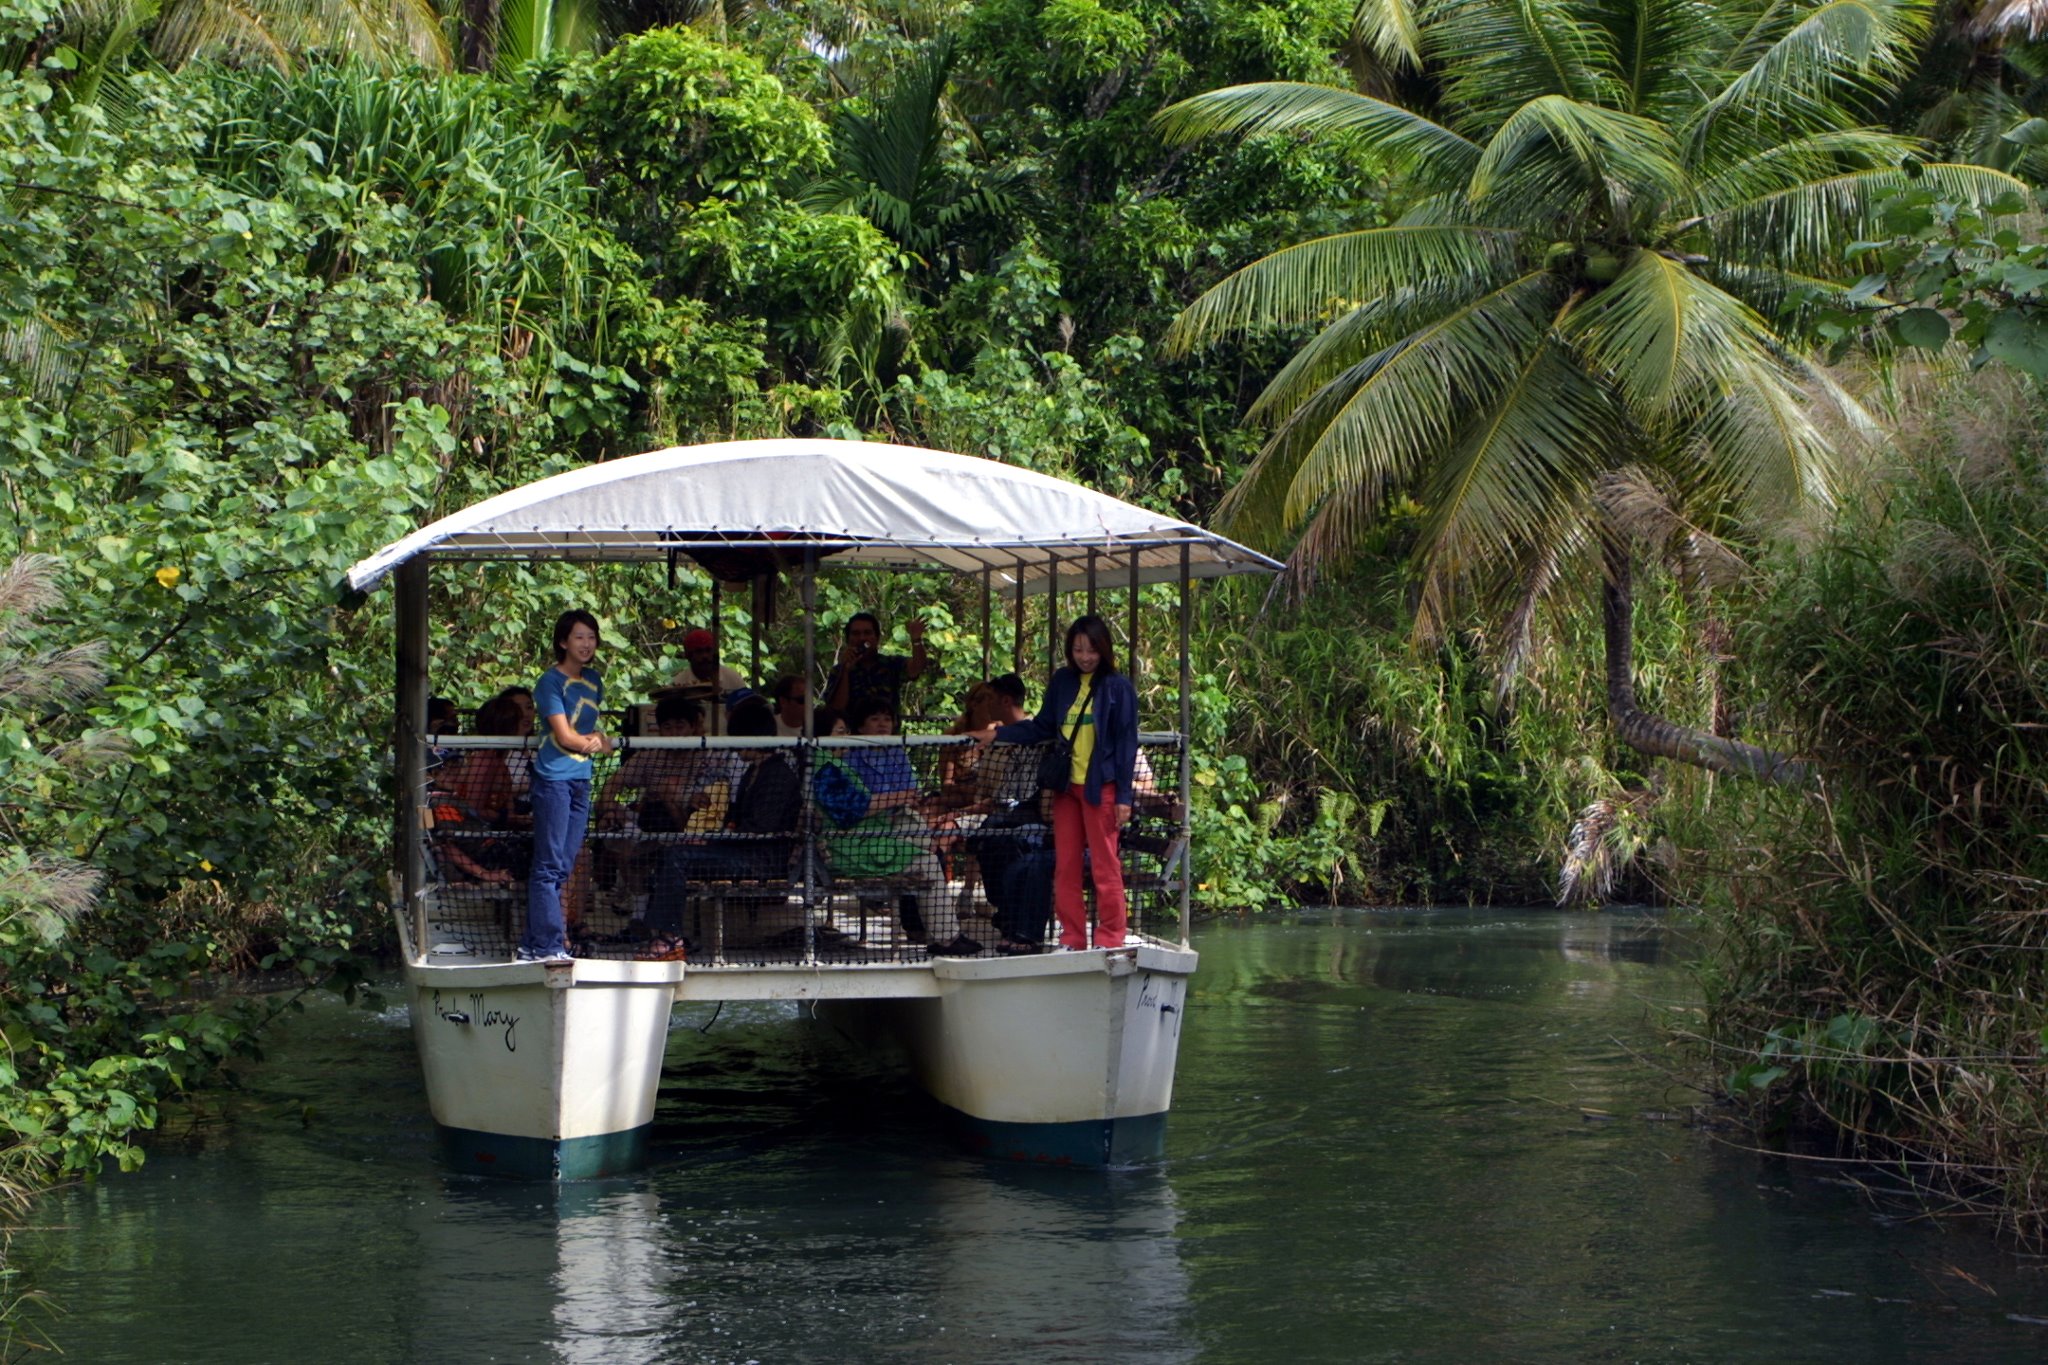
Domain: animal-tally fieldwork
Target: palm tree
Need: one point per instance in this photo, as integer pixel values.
(104, 37)
(501, 36)
(1622, 213)
(890, 165)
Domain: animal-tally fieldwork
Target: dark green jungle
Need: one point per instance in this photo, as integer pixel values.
(1644, 394)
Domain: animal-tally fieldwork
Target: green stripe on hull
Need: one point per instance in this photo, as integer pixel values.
(1092, 1142)
(507, 1157)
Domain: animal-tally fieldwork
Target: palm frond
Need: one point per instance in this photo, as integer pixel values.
(1346, 341)
(1428, 151)
(890, 166)
(1640, 507)
(2011, 19)
(1330, 537)
(388, 34)
(1379, 422)
(1508, 488)
(1806, 58)
(1807, 226)
(1788, 163)
(530, 30)
(1625, 155)
(1302, 283)
(1390, 31)
(1534, 579)
(1663, 50)
(1757, 445)
(1498, 55)
(1663, 336)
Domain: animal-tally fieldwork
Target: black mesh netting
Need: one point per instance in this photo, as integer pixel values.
(755, 856)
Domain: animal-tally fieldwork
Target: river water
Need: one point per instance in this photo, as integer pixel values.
(1397, 1136)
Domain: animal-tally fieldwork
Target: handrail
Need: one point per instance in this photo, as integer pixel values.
(1152, 738)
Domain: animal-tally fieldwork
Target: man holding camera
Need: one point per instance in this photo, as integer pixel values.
(865, 674)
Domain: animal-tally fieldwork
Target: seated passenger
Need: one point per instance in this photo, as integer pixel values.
(956, 766)
(791, 694)
(444, 717)
(886, 771)
(1012, 844)
(882, 834)
(728, 686)
(518, 762)
(474, 793)
(759, 836)
(670, 785)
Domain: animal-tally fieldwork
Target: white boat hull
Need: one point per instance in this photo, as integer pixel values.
(551, 1072)
(540, 1072)
(1065, 1059)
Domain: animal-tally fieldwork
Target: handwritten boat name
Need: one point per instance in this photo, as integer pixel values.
(482, 1015)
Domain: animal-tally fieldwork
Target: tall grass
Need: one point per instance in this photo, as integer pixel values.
(1881, 939)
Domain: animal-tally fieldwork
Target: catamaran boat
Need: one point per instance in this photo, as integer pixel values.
(881, 920)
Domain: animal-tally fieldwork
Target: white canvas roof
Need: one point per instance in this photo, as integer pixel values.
(869, 504)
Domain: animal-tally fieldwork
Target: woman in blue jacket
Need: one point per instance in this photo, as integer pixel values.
(1098, 706)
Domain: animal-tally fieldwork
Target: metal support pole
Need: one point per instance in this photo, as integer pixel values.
(1131, 632)
(987, 590)
(1052, 615)
(810, 595)
(716, 711)
(1091, 582)
(805, 752)
(409, 746)
(761, 586)
(1017, 629)
(1187, 762)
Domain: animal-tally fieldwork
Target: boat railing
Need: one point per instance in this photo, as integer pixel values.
(737, 851)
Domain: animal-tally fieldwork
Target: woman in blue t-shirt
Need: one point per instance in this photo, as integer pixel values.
(566, 700)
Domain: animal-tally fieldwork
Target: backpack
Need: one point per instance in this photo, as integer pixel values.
(840, 794)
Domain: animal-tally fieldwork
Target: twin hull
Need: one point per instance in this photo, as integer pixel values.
(550, 1071)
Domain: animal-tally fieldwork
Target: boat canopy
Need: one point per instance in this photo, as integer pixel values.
(739, 507)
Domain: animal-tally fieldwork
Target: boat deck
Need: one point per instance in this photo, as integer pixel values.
(896, 886)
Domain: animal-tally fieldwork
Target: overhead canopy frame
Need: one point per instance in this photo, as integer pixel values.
(860, 503)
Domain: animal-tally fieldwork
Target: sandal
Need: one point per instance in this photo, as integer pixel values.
(958, 946)
(1012, 947)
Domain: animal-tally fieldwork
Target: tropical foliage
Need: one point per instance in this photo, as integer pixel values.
(1617, 214)
(1879, 956)
(277, 283)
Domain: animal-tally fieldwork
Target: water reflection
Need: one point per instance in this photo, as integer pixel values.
(1047, 1267)
(1412, 1136)
(511, 1272)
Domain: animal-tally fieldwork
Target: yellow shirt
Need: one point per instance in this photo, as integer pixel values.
(1084, 734)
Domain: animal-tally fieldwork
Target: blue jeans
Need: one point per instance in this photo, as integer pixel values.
(561, 812)
(681, 864)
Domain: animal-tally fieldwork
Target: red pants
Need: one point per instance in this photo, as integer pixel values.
(1076, 826)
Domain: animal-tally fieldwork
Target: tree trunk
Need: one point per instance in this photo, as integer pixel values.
(1654, 735)
(479, 35)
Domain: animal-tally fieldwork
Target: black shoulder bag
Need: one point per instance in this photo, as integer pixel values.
(1056, 764)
